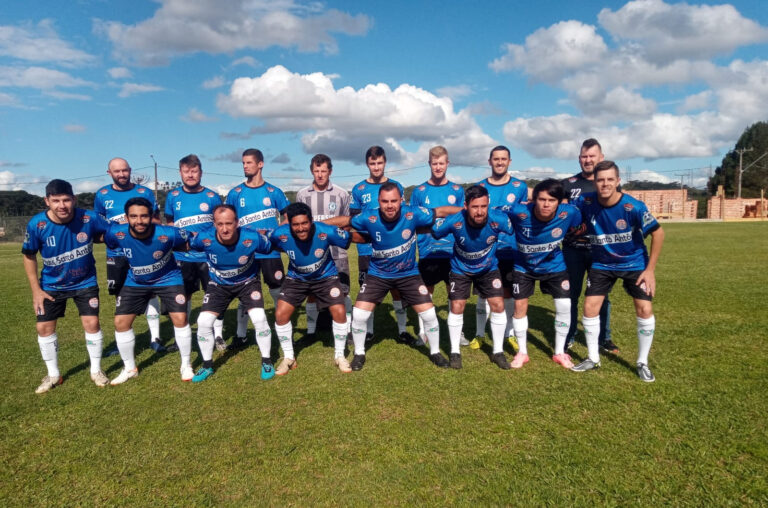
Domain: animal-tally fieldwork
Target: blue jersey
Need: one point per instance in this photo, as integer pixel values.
(151, 259)
(616, 233)
(66, 249)
(432, 196)
(110, 204)
(538, 243)
(474, 249)
(514, 191)
(366, 195)
(231, 264)
(310, 260)
(393, 243)
(258, 208)
(192, 212)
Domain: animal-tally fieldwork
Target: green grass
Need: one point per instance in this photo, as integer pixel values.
(402, 432)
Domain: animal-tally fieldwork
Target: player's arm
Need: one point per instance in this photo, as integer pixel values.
(38, 295)
(340, 221)
(648, 275)
(445, 211)
(358, 237)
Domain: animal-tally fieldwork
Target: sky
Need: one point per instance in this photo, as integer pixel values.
(667, 88)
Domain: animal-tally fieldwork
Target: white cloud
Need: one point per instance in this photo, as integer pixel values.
(456, 92)
(196, 116)
(7, 99)
(40, 43)
(39, 78)
(618, 103)
(646, 175)
(214, 82)
(11, 181)
(180, 27)
(66, 95)
(246, 60)
(74, 127)
(119, 73)
(701, 100)
(128, 89)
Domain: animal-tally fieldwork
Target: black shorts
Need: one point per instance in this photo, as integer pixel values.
(342, 265)
(134, 299)
(327, 291)
(117, 272)
(218, 297)
(555, 284)
(412, 289)
(86, 300)
(362, 268)
(195, 275)
(600, 282)
(507, 271)
(434, 270)
(273, 272)
(487, 285)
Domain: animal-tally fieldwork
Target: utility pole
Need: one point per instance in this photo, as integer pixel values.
(682, 194)
(153, 160)
(741, 155)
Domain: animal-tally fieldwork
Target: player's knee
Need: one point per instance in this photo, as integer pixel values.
(206, 320)
(562, 305)
(429, 317)
(360, 318)
(258, 316)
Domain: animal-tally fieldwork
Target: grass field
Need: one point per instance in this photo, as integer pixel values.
(402, 432)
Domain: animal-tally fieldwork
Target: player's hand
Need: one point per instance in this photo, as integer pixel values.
(647, 281)
(37, 301)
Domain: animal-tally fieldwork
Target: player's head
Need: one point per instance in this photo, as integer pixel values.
(300, 219)
(253, 162)
(389, 201)
(438, 163)
(590, 154)
(476, 204)
(499, 160)
(547, 195)
(606, 178)
(191, 171)
(225, 222)
(321, 168)
(376, 160)
(120, 171)
(60, 199)
(138, 211)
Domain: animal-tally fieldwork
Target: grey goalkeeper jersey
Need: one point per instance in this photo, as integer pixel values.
(331, 202)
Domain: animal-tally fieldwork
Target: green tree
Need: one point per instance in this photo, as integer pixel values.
(755, 137)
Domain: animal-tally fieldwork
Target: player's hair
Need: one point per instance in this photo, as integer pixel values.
(589, 143)
(191, 161)
(474, 192)
(56, 187)
(605, 166)
(497, 148)
(138, 202)
(295, 209)
(375, 152)
(437, 151)
(552, 187)
(319, 160)
(224, 206)
(388, 186)
(254, 152)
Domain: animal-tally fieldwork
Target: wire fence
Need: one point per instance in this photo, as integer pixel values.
(12, 228)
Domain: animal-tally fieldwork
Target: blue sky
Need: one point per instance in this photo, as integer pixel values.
(666, 87)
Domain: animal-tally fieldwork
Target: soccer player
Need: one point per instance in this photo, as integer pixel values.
(148, 249)
(503, 190)
(475, 230)
(616, 225)
(434, 254)
(110, 203)
(64, 236)
(326, 200)
(234, 273)
(260, 206)
(540, 227)
(576, 247)
(190, 207)
(311, 271)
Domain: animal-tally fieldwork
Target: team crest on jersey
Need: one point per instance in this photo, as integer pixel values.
(628, 207)
(209, 194)
(248, 242)
(41, 224)
(557, 233)
(278, 275)
(372, 219)
(242, 260)
(322, 236)
(361, 186)
(332, 206)
(406, 234)
(494, 225)
(157, 254)
(457, 225)
(335, 292)
(140, 190)
(82, 237)
(319, 253)
(175, 193)
(510, 198)
(93, 303)
(86, 219)
(103, 191)
(621, 224)
(119, 235)
(270, 188)
(204, 207)
(255, 296)
(565, 285)
(207, 242)
(496, 283)
(588, 201)
(452, 199)
(647, 218)
(283, 238)
(522, 216)
(455, 187)
(409, 216)
(563, 215)
(238, 189)
(181, 299)
(490, 239)
(421, 187)
(423, 290)
(162, 238)
(266, 202)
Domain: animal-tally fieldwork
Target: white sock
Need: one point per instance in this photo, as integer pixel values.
(285, 337)
(153, 319)
(432, 329)
(455, 323)
(645, 330)
(481, 316)
(422, 333)
(369, 324)
(339, 338)
(311, 310)
(94, 343)
(592, 331)
(509, 308)
(126, 342)
(498, 326)
(520, 327)
(263, 332)
(218, 328)
(205, 323)
(49, 347)
(562, 323)
(360, 318)
(400, 316)
(183, 337)
(348, 309)
(242, 321)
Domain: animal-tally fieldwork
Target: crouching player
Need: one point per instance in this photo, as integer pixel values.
(234, 273)
(476, 231)
(540, 227)
(616, 227)
(311, 271)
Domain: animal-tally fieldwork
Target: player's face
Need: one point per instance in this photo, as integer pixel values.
(588, 158)
(120, 172)
(606, 183)
(499, 163)
(225, 223)
(139, 220)
(389, 204)
(191, 176)
(62, 206)
(546, 205)
(322, 175)
(250, 166)
(300, 227)
(477, 211)
(376, 166)
(438, 166)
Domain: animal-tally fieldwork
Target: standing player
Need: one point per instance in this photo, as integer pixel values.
(148, 248)
(190, 207)
(434, 254)
(540, 227)
(576, 248)
(326, 200)
(259, 205)
(475, 230)
(64, 235)
(616, 226)
(110, 203)
(311, 271)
